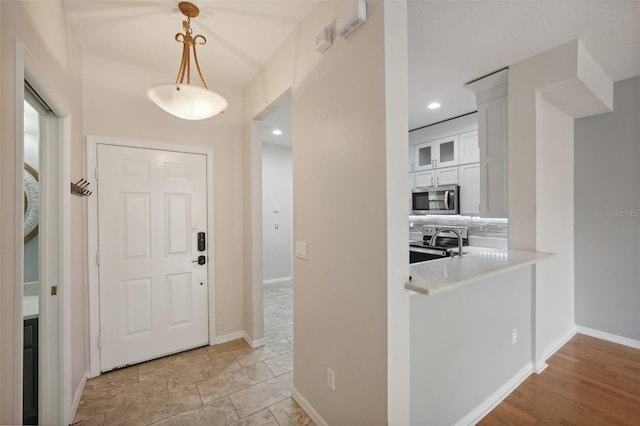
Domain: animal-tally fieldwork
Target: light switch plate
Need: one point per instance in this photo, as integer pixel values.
(301, 250)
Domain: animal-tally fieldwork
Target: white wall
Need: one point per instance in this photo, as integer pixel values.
(554, 219)
(349, 154)
(116, 105)
(461, 346)
(607, 216)
(42, 27)
(276, 195)
(540, 174)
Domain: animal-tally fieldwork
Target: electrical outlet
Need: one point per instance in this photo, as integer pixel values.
(514, 336)
(331, 379)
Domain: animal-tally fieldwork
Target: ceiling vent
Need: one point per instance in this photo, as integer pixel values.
(354, 16)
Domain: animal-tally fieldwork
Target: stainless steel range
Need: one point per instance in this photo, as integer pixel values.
(438, 241)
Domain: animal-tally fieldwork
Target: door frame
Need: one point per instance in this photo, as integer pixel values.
(27, 69)
(255, 281)
(92, 235)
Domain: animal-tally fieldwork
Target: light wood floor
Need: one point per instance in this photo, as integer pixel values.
(588, 382)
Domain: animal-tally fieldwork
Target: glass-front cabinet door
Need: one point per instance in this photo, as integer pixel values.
(424, 158)
(447, 152)
(436, 154)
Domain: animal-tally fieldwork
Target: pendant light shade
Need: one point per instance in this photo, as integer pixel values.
(183, 99)
(187, 101)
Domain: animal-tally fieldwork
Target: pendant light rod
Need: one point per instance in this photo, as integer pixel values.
(189, 43)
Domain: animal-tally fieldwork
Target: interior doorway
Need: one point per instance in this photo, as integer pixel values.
(33, 111)
(41, 204)
(277, 223)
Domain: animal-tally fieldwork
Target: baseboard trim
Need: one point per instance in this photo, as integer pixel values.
(551, 349)
(555, 346)
(78, 396)
(228, 337)
(540, 367)
(610, 337)
(496, 398)
(308, 408)
(253, 343)
(277, 280)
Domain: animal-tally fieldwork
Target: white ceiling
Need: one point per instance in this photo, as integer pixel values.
(454, 42)
(241, 35)
(278, 119)
(450, 42)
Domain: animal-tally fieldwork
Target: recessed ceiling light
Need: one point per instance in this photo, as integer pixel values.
(433, 105)
(277, 132)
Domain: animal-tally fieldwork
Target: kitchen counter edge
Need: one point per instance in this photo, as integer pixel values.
(438, 276)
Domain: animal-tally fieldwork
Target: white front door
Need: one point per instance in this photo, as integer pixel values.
(153, 297)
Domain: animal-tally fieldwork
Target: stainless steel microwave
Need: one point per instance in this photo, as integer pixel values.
(436, 200)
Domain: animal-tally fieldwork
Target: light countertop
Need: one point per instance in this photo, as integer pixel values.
(437, 276)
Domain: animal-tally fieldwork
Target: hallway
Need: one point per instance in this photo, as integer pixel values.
(215, 385)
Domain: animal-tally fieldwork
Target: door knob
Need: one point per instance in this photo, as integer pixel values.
(201, 260)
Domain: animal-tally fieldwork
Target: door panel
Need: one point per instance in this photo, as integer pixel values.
(153, 298)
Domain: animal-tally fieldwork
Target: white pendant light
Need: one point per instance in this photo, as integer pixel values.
(184, 100)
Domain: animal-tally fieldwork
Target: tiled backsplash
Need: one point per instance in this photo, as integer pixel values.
(478, 226)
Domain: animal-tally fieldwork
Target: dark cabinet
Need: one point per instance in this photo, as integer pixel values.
(30, 373)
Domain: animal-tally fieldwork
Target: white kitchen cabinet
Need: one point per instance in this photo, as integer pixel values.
(436, 154)
(447, 176)
(491, 97)
(411, 188)
(468, 149)
(469, 176)
(438, 177)
(412, 153)
(424, 179)
(423, 156)
(493, 158)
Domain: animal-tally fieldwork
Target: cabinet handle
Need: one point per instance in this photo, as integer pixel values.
(438, 181)
(431, 181)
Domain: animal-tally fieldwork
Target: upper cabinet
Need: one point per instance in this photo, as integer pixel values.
(412, 164)
(468, 148)
(445, 154)
(436, 154)
(491, 97)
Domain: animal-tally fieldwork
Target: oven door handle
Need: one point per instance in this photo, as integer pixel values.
(446, 200)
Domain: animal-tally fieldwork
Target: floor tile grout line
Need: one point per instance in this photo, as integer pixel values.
(247, 387)
(281, 297)
(265, 408)
(274, 416)
(234, 409)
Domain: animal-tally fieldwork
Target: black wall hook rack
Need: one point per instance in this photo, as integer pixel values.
(80, 188)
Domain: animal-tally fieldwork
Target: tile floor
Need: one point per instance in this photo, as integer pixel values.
(227, 384)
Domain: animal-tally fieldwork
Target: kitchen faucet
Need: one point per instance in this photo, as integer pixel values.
(432, 242)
